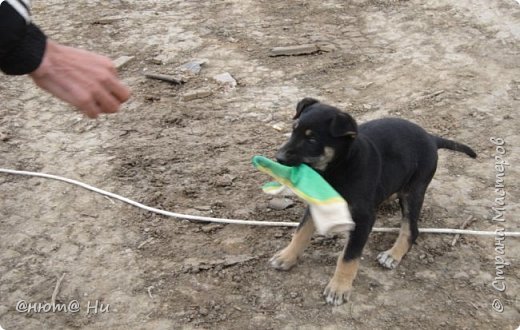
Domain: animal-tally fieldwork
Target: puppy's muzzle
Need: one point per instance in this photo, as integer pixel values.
(285, 157)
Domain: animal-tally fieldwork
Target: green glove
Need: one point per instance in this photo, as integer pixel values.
(329, 210)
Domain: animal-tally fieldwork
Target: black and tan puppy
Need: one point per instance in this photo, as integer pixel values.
(366, 165)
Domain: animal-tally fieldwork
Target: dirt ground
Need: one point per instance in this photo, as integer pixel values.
(451, 66)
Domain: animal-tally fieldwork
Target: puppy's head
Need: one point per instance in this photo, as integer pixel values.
(320, 134)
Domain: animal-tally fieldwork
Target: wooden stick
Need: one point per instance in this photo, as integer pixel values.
(465, 224)
(164, 77)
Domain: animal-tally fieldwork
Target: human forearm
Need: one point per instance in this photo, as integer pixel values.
(22, 44)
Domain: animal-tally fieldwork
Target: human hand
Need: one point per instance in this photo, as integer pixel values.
(81, 78)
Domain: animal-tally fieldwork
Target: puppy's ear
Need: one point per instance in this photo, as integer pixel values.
(304, 103)
(343, 125)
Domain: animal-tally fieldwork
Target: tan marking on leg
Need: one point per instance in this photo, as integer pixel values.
(391, 258)
(339, 288)
(287, 257)
(402, 243)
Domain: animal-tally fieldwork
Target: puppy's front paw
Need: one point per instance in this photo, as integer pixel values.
(283, 260)
(386, 260)
(337, 293)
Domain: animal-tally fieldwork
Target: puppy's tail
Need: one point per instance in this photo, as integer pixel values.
(452, 145)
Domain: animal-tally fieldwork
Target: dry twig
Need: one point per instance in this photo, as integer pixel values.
(56, 289)
(465, 224)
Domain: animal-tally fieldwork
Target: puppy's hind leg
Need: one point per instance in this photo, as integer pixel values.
(411, 204)
(287, 257)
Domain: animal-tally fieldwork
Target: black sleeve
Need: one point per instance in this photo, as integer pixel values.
(21, 45)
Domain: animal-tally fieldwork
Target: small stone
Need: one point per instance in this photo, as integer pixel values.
(122, 61)
(197, 94)
(225, 180)
(326, 47)
(226, 79)
(156, 61)
(293, 295)
(211, 228)
(305, 49)
(4, 137)
(203, 311)
(205, 208)
(194, 66)
(280, 203)
(279, 126)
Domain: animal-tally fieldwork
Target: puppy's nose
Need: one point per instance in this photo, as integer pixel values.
(281, 157)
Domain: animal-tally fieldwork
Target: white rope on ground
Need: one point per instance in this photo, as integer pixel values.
(236, 221)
